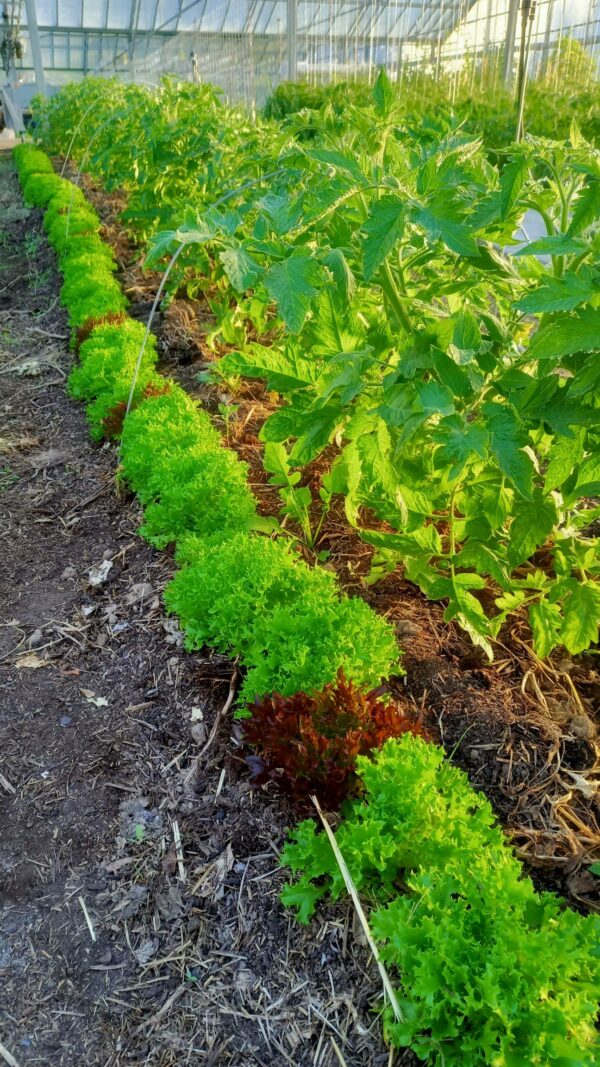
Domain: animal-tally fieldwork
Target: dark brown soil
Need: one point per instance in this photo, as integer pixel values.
(118, 944)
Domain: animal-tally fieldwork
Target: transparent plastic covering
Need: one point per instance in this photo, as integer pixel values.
(248, 46)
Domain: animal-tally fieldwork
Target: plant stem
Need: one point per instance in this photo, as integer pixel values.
(388, 284)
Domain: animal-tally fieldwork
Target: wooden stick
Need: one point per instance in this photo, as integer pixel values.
(86, 916)
(387, 985)
(7, 1057)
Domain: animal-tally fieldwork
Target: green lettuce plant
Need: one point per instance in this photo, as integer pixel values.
(487, 970)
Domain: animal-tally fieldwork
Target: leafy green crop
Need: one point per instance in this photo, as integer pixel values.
(288, 623)
(191, 485)
(106, 364)
(488, 971)
(446, 370)
(39, 188)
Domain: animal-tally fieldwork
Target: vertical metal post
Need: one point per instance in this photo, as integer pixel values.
(547, 33)
(509, 44)
(36, 51)
(292, 41)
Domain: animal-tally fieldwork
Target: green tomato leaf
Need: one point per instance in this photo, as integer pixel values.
(587, 208)
(581, 616)
(241, 269)
(559, 244)
(573, 333)
(545, 620)
(533, 522)
(507, 440)
(293, 284)
(383, 229)
(559, 294)
(383, 93)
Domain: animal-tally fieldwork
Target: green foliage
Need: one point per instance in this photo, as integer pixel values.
(487, 970)
(290, 97)
(159, 426)
(40, 188)
(286, 621)
(64, 228)
(105, 371)
(373, 259)
(205, 493)
(172, 457)
(90, 293)
(226, 588)
(30, 160)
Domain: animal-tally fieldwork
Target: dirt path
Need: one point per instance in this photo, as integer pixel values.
(114, 949)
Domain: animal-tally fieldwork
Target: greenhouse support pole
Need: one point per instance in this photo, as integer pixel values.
(292, 40)
(36, 50)
(509, 44)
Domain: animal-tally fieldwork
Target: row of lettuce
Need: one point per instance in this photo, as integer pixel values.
(440, 364)
(488, 971)
(290, 625)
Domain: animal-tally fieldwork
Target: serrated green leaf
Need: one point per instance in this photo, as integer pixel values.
(435, 398)
(558, 244)
(456, 235)
(383, 93)
(343, 277)
(559, 294)
(476, 554)
(383, 229)
(564, 455)
(241, 269)
(507, 441)
(533, 522)
(316, 429)
(581, 616)
(293, 284)
(284, 371)
(573, 333)
(462, 440)
(466, 335)
(545, 620)
(587, 208)
(512, 180)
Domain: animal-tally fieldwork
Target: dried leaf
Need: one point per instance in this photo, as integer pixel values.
(31, 661)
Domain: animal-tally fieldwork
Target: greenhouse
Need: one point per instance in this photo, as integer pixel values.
(300, 519)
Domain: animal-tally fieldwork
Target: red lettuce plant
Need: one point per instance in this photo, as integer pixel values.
(309, 743)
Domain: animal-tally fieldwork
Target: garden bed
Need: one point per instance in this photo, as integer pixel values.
(209, 969)
(526, 732)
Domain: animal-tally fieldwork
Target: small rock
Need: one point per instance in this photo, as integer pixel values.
(406, 628)
(106, 957)
(37, 638)
(99, 575)
(65, 721)
(198, 732)
(69, 572)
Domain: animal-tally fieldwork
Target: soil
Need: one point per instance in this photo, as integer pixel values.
(139, 912)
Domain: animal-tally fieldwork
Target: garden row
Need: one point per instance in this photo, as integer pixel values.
(441, 369)
(487, 971)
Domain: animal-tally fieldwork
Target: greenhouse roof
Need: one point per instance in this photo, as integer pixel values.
(83, 35)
